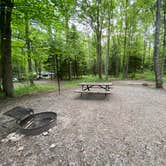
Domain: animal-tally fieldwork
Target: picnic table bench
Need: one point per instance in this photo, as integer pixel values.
(98, 88)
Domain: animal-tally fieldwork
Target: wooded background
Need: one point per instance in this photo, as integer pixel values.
(71, 38)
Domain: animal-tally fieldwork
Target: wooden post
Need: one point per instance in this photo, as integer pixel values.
(57, 74)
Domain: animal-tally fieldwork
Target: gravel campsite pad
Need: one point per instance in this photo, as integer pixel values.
(128, 127)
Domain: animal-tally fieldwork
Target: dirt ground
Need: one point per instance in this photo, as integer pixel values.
(126, 128)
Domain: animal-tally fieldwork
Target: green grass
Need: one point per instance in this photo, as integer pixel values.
(24, 89)
(2, 95)
(89, 78)
(29, 89)
(147, 75)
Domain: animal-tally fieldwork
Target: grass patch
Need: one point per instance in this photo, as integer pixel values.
(24, 89)
(85, 78)
(147, 75)
(29, 89)
(2, 95)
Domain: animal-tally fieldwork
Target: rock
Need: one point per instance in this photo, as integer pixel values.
(52, 146)
(21, 148)
(12, 137)
(72, 164)
(45, 133)
(145, 84)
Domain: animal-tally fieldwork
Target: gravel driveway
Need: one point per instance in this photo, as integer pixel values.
(126, 128)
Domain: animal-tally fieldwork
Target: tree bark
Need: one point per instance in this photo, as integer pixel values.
(108, 42)
(98, 35)
(57, 73)
(144, 55)
(125, 42)
(30, 71)
(99, 58)
(164, 41)
(5, 32)
(158, 76)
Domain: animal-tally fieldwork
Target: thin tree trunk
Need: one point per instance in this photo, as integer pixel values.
(30, 71)
(54, 67)
(76, 66)
(149, 54)
(67, 40)
(36, 67)
(98, 35)
(164, 41)
(57, 70)
(125, 44)
(69, 68)
(108, 43)
(124, 54)
(144, 55)
(5, 32)
(158, 76)
(99, 58)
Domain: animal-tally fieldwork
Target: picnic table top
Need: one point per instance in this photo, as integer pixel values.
(97, 83)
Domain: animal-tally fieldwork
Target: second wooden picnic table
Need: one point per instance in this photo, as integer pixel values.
(86, 86)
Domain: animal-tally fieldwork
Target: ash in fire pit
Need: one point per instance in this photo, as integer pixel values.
(30, 123)
(37, 123)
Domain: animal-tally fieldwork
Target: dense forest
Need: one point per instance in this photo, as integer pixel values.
(71, 38)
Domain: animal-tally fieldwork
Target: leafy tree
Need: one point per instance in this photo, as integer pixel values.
(5, 46)
(157, 70)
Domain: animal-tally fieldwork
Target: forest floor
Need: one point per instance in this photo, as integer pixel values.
(126, 128)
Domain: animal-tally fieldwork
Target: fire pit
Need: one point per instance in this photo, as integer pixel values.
(37, 123)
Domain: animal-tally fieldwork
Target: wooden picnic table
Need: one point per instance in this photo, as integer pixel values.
(90, 87)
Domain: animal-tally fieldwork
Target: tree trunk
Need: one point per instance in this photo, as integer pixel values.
(98, 35)
(144, 55)
(164, 41)
(108, 44)
(30, 71)
(99, 58)
(57, 73)
(124, 52)
(125, 43)
(158, 76)
(69, 68)
(5, 32)
(76, 66)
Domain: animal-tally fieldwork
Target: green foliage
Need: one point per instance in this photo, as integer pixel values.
(54, 30)
(31, 89)
(147, 75)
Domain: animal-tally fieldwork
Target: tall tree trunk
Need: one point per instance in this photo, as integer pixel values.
(36, 67)
(108, 42)
(76, 66)
(67, 42)
(30, 71)
(158, 76)
(164, 41)
(98, 35)
(69, 68)
(5, 32)
(125, 43)
(99, 58)
(149, 55)
(57, 73)
(144, 55)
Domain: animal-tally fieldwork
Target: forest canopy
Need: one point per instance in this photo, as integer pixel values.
(71, 38)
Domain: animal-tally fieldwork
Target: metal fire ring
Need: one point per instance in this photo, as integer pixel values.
(37, 123)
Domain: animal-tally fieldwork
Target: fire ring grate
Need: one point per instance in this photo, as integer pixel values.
(37, 123)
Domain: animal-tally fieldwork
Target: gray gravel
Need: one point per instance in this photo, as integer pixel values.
(126, 128)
